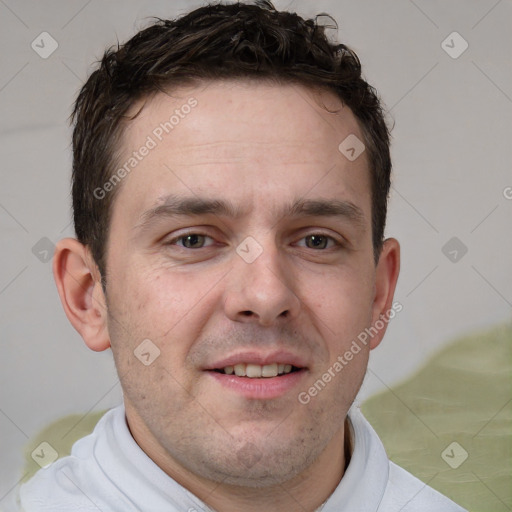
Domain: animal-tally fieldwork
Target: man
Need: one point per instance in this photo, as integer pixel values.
(230, 181)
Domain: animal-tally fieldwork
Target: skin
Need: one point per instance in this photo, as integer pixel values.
(259, 146)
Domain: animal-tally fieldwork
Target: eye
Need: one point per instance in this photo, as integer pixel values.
(319, 241)
(191, 241)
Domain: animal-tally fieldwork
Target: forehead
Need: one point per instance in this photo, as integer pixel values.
(245, 111)
(241, 140)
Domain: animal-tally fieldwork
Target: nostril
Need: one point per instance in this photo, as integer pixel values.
(247, 313)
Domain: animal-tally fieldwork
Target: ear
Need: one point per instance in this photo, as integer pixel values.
(386, 276)
(79, 284)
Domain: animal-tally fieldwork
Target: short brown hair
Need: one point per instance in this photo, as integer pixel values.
(214, 42)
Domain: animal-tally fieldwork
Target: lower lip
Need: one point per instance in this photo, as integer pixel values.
(263, 388)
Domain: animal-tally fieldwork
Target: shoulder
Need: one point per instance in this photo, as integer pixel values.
(68, 482)
(407, 493)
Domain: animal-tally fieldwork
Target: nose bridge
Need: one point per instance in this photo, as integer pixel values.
(261, 286)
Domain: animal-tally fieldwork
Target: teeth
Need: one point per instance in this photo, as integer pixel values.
(240, 370)
(269, 370)
(255, 371)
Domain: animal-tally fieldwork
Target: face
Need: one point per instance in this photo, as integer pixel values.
(240, 246)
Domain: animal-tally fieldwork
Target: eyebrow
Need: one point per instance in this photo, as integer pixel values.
(328, 208)
(177, 206)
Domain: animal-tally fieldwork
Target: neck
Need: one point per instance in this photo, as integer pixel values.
(305, 492)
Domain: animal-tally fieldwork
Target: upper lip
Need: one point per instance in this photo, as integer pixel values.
(262, 359)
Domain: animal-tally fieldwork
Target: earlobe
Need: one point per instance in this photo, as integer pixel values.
(79, 285)
(386, 276)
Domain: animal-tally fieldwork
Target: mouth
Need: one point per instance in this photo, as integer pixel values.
(257, 371)
(257, 376)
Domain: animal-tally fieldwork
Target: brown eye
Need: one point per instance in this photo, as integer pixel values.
(317, 241)
(192, 241)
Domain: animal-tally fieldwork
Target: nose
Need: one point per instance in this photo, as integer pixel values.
(261, 291)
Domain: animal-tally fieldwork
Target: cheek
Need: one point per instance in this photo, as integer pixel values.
(342, 299)
(168, 306)
(152, 306)
(154, 298)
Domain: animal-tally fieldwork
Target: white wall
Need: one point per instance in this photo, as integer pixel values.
(452, 163)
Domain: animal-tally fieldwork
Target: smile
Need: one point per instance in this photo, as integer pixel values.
(256, 371)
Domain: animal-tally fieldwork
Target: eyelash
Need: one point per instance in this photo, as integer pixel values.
(337, 244)
(183, 236)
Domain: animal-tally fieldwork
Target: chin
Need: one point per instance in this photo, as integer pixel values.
(256, 467)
